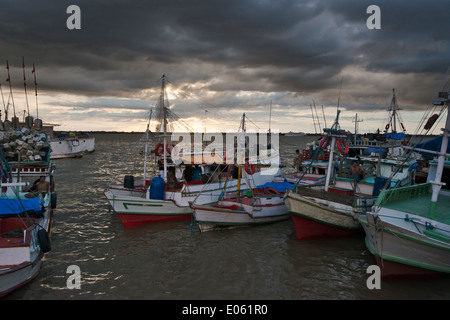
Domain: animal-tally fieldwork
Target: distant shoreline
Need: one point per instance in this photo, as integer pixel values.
(137, 132)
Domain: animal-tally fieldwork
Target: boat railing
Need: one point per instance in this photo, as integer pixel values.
(366, 143)
(402, 193)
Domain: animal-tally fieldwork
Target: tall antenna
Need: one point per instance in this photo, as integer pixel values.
(25, 84)
(317, 116)
(339, 98)
(270, 115)
(314, 121)
(35, 90)
(324, 120)
(356, 125)
(15, 119)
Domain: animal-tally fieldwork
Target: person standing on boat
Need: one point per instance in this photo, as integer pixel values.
(298, 160)
(357, 173)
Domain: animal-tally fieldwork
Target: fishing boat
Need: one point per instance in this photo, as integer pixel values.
(389, 141)
(331, 210)
(167, 196)
(408, 230)
(294, 134)
(25, 219)
(263, 204)
(324, 211)
(71, 145)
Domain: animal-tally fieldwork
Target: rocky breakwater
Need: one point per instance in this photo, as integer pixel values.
(25, 145)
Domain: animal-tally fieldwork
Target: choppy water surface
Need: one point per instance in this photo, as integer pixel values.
(171, 260)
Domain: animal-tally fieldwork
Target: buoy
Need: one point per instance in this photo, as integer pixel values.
(250, 168)
(431, 121)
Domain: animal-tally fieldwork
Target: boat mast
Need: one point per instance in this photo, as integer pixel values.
(147, 137)
(240, 150)
(356, 127)
(270, 115)
(330, 160)
(437, 183)
(161, 101)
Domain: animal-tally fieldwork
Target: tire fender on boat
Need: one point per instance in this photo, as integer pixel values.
(53, 200)
(44, 240)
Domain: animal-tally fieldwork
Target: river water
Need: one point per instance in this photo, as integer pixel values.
(174, 261)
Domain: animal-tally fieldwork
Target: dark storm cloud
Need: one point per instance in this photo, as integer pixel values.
(254, 45)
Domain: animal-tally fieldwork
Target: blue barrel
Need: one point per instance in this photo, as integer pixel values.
(197, 173)
(157, 188)
(379, 184)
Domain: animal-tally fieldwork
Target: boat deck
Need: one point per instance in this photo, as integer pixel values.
(419, 204)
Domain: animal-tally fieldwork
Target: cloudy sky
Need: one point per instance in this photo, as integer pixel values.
(223, 58)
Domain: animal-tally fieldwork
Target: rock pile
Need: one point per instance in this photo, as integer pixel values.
(24, 145)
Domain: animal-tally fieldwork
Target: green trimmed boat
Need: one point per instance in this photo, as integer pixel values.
(408, 230)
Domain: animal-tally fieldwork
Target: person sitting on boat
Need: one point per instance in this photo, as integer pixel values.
(357, 173)
(298, 160)
(188, 173)
(172, 182)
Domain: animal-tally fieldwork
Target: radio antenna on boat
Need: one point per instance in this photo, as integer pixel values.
(270, 115)
(25, 85)
(314, 121)
(3, 99)
(317, 116)
(35, 89)
(12, 97)
(339, 97)
(324, 120)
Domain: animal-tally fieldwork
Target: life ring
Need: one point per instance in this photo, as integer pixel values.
(250, 168)
(160, 147)
(44, 240)
(324, 142)
(342, 146)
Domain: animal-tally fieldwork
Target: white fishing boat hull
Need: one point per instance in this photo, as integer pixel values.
(305, 179)
(403, 247)
(222, 216)
(21, 254)
(16, 277)
(135, 208)
(261, 207)
(133, 211)
(71, 147)
(20, 260)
